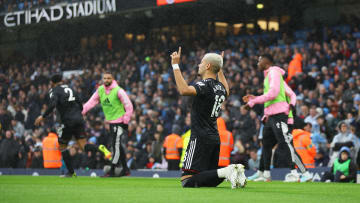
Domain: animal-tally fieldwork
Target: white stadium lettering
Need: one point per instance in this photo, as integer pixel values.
(59, 11)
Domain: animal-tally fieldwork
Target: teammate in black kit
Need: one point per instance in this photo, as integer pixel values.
(200, 168)
(66, 101)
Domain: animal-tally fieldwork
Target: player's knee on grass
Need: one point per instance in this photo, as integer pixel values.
(188, 183)
(187, 179)
(193, 183)
(215, 183)
(203, 179)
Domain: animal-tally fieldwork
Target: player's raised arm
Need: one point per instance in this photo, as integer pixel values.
(183, 87)
(222, 78)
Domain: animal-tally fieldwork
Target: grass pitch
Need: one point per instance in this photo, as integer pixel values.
(51, 189)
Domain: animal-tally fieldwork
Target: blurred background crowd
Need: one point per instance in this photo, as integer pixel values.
(322, 64)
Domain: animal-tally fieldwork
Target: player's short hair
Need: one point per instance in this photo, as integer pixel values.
(55, 78)
(268, 57)
(215, 60)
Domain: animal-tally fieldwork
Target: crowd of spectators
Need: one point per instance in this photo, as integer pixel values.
(327, 88)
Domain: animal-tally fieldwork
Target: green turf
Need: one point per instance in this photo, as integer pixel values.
(51, 189)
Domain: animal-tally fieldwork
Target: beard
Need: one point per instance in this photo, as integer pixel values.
(107, 84)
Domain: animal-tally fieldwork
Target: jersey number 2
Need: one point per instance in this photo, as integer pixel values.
(217, 105)
(71, 95)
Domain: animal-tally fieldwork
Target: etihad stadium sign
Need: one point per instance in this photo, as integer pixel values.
(59, 12)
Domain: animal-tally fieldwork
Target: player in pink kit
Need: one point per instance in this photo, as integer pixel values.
(117, 108)
(277, 118)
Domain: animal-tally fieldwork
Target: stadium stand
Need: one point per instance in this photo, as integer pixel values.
(328, 91)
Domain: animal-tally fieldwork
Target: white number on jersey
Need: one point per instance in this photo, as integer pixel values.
(217, 105)
(70, 92)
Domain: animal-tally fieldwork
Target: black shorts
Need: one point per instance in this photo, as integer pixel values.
(200, 156)
(65, 133)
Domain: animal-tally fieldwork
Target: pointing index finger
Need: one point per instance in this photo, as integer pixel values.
(179, 52)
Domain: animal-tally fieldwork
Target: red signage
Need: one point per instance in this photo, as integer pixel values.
(166, 2)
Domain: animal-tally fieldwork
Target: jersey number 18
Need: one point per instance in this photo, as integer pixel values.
(217, 105)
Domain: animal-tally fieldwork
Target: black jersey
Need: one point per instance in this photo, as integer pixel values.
(210, 94)
(67, 103)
